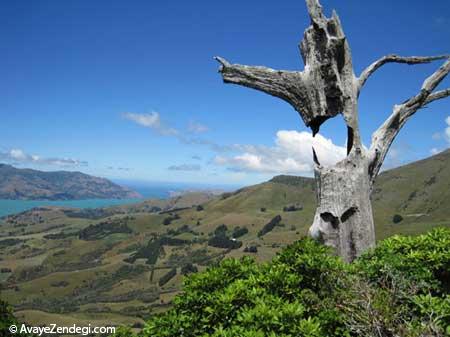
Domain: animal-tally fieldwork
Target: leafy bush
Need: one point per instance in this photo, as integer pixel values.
(188, 269)
(168, 220)
(269, 226)
(221, 230)
(103, 229)
(400, 288)
(221, 241)
(239, 231)
(151, 252)
(7, 319)
(251, 249)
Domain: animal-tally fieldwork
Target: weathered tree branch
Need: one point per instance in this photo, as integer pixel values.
(383, 137)
(287, 85)
(394, 59)
(438, 95)
(326, 86)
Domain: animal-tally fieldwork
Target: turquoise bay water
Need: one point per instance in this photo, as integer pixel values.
(15, 206)
(148, 191)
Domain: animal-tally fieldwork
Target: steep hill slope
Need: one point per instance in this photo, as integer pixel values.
(419, 192)
(28, 184)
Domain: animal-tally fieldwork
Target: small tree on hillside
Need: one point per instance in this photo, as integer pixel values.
(326, 88)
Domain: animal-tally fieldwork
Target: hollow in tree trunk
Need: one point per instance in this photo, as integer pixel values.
(343, 216)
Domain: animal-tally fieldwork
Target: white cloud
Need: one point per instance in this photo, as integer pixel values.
(151, 120)
(292, 153)
(435, 150)
(447, 130)
(445, 134)
(195, 127)
(19, 156)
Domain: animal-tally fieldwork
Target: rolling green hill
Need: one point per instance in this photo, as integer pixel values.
(121, 264)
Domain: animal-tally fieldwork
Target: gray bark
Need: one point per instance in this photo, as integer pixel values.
(343, 217)
(326, 87)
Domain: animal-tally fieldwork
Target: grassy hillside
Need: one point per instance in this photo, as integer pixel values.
(419, 192)
(121, 264)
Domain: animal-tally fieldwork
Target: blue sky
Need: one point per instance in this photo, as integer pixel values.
(129, 89)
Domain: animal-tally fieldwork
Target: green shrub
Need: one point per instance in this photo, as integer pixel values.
(221, 230)
(239, 231)
(7, 319)
(268, 227)
(151, 252)
(400, 288)
(221, 241)
(188, 269)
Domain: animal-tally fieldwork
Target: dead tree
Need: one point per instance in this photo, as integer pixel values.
(326, 87)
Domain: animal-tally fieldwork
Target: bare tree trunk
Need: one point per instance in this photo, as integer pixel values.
(344, 217)
(325, 88)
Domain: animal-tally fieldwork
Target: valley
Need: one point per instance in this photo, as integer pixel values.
(120, 264)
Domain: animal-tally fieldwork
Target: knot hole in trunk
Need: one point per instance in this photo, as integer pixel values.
(330, 218)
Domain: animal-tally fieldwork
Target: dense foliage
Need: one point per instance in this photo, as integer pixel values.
(222, 241)
(151, 252)
(268, 227)
(239, 231)
(7, 319)
(103, 229)
(400, 288)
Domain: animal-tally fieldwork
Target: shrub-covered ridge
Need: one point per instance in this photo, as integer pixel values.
(400, 288)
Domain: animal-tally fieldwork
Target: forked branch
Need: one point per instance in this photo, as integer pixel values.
(438, 95)
(386, 133)
(395, 59)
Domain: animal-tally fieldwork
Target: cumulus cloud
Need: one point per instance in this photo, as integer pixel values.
(292, 154)
(435, 150)
(184, 167)
(19, 156)
(445, 135)
(152, 121)
(195, 127)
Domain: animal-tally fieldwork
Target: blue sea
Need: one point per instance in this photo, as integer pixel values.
(147, 190)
